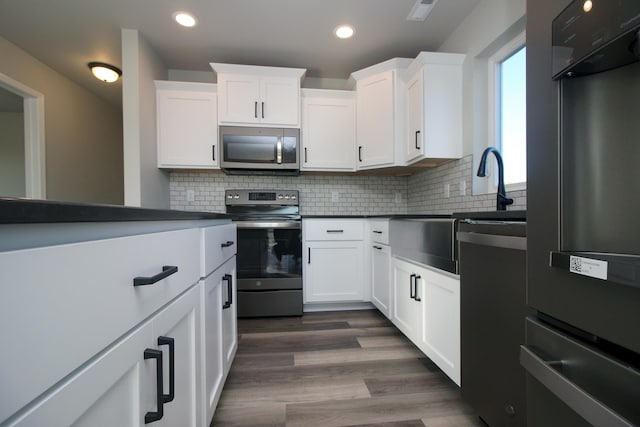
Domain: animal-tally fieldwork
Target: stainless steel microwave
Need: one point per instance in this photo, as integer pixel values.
(258, 150)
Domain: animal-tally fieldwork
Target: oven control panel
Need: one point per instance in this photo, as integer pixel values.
(261, 197)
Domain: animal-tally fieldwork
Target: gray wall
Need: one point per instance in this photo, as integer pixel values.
(83, 133)
(145, 185)
(12, 173)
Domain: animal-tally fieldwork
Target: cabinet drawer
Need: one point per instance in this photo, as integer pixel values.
(333, 229)
(219, 243)
(379, 231)
(61, 305)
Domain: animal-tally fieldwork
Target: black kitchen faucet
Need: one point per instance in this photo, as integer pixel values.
(502, 201)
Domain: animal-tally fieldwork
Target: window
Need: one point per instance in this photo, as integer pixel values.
(508, 108)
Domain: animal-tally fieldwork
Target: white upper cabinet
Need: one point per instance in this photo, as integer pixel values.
(434, 107)
(187, 125)
(253, 95)
(328, 130)
(380, 119)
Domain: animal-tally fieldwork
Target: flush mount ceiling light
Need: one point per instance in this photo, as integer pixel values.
(587, 6)
(344, 31)
(420, 10)
(105, 72)
(185, 19)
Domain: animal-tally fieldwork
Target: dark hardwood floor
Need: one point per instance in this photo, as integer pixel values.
(347, 368)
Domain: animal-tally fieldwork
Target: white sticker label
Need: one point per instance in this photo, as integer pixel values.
(588, 267)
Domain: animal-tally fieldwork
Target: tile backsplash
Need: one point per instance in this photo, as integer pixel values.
(421, 193)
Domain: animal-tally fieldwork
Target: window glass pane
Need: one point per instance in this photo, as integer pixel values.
(513, 117)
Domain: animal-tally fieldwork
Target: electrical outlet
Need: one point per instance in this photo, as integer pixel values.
(191, 195)
(447, 192)
(398, 198)
(335, 197)
(463, 188)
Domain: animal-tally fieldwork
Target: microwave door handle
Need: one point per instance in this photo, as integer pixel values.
(279, 151)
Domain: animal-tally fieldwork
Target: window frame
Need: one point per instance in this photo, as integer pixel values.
(493, 99)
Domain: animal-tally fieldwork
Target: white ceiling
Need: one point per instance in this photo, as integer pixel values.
(68, 34)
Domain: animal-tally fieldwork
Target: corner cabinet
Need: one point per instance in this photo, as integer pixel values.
(187, 130)
(380, 120)
(328, 130)
(333, 256)
(254, 95)
(426, 308)
(434, 107)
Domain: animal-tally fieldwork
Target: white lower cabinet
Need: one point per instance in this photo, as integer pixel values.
(426, 308)
(120, 387)
(219, 332)
(333, 257)
(380, 275)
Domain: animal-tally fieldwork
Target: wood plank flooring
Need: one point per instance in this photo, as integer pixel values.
(347, 368)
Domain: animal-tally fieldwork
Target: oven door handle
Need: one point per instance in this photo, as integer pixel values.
(585, 405)
(269, 224)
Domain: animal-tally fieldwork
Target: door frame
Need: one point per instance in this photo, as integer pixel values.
(34, 140)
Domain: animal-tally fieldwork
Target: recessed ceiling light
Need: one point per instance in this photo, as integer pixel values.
(421, 10)
(185, 19)
(344, 31)
(587, 6)
(105, 72)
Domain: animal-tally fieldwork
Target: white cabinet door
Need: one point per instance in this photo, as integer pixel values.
(238, 98)
(280, 101)
(406, 311)
(176, 329)
(187, 117)
(440, 335)
(229, 313)
(375, 122)
(415, 125)
(380, 277)
(434, 107)
(251, 99)
(119, 387)
(328, 130)
(333, 271)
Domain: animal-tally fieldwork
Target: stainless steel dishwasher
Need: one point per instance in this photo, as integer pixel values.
(492, 256)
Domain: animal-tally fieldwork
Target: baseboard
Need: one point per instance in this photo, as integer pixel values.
(338, 306)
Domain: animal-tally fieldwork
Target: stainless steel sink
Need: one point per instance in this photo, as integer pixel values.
(428, 241)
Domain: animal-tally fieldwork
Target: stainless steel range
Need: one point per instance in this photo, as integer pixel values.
(269, 258)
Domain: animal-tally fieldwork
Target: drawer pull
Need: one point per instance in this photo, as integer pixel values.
(377, 232)
(335, 231)
(152, 416)
(166, 398)
(167, 271)
(377, 247)
(227, 244)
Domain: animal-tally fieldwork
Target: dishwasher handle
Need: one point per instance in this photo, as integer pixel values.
(585, 405)
(493, 240)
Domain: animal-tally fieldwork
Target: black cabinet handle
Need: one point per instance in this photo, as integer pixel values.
(360, 153)
(415, 288)
(166, 398)
(151, 416)
(417, 145)
(411, 292)
(227, 244)
(377, 232)
(167, 270)
(309, 256)
(378, 248)
(335, 231)
(305, 154)
(255, 110)
(263, 110)
(229, 279)
(213, 152)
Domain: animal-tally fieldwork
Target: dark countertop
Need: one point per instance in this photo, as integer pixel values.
(28, 211)
(388, 216)
(493, 215)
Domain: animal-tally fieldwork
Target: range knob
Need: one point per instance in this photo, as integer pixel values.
(293, 197)
(287, 197)
(229, 196)
(280, 196)
(236, 196)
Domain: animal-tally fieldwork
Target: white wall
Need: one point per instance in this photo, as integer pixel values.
(144, 184)
(12, 171)
(83, 133)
